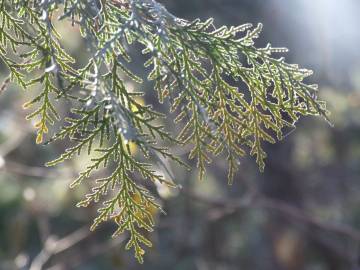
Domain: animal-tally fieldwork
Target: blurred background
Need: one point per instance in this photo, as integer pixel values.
(303, 212)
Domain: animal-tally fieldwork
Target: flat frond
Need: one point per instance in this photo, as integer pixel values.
(228, 96)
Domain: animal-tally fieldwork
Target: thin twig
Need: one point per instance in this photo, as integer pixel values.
(92, 252)
(31, 171)
(5, 84)
(53, 247)
(257, 201)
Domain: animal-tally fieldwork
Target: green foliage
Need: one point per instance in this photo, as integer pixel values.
(229, 96)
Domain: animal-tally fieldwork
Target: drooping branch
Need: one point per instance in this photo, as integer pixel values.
(229, 96)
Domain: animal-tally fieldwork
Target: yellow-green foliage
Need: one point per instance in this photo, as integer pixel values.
(228, 95)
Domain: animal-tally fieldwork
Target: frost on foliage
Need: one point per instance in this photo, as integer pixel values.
(229, 96)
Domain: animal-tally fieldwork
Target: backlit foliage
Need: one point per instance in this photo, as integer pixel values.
(228, 96)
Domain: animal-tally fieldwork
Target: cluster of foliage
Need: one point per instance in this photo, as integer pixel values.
(228, 95)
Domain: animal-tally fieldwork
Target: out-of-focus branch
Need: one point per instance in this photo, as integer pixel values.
(12, 143)
(53, 247)
(289, 211)
(24, 170)
(296, 213)
(91, 253)
(5, 84)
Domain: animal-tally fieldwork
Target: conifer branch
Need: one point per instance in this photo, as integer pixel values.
(195, 66)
